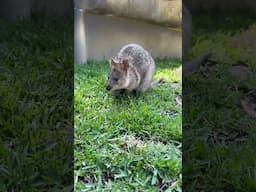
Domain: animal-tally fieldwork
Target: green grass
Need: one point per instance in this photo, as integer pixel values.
(36, 111)
(218, 136)
(127, 143)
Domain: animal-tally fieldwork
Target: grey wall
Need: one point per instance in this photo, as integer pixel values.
(167, 12)
(22, 9)
(106, 35)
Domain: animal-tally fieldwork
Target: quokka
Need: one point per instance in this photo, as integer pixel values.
(132, 70)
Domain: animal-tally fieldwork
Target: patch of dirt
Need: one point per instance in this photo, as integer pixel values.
(165, 185)
(127, 142)
(88, 178)
(169, 113)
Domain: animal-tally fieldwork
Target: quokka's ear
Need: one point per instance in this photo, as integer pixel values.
(125, 64)
(112, 62)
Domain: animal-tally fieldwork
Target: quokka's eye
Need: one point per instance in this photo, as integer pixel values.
(115, 79)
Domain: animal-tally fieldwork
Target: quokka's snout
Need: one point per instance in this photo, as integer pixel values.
(108, 87)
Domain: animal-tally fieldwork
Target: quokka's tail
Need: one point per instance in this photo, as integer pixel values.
(191, 66)
(158, 81)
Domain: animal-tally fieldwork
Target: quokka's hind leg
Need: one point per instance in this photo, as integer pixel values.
(146, 82)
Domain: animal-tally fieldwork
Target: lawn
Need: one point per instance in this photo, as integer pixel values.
(218, 135)
(36, 105)
(127, 143)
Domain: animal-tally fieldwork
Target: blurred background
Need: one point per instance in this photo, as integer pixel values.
(36, 93)
(23, 9)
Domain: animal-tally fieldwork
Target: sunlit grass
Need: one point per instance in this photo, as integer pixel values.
(127, 143)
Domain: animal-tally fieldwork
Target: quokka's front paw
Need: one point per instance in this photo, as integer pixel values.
(136, 93)
(117, 92)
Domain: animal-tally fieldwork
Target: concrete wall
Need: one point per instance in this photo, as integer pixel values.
(166, 12)
(22, 9)
(105, 35)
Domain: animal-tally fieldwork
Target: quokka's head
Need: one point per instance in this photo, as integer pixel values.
(118, 74)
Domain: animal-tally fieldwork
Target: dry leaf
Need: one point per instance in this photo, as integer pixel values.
(179, 100)
(175, 85)
(249, 105)
(240, 71)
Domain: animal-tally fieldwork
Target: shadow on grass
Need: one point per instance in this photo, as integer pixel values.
(124, 99)
(36, 108)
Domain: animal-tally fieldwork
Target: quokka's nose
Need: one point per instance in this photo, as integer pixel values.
(108, 87)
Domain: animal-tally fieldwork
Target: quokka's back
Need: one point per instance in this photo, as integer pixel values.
(138, 57)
